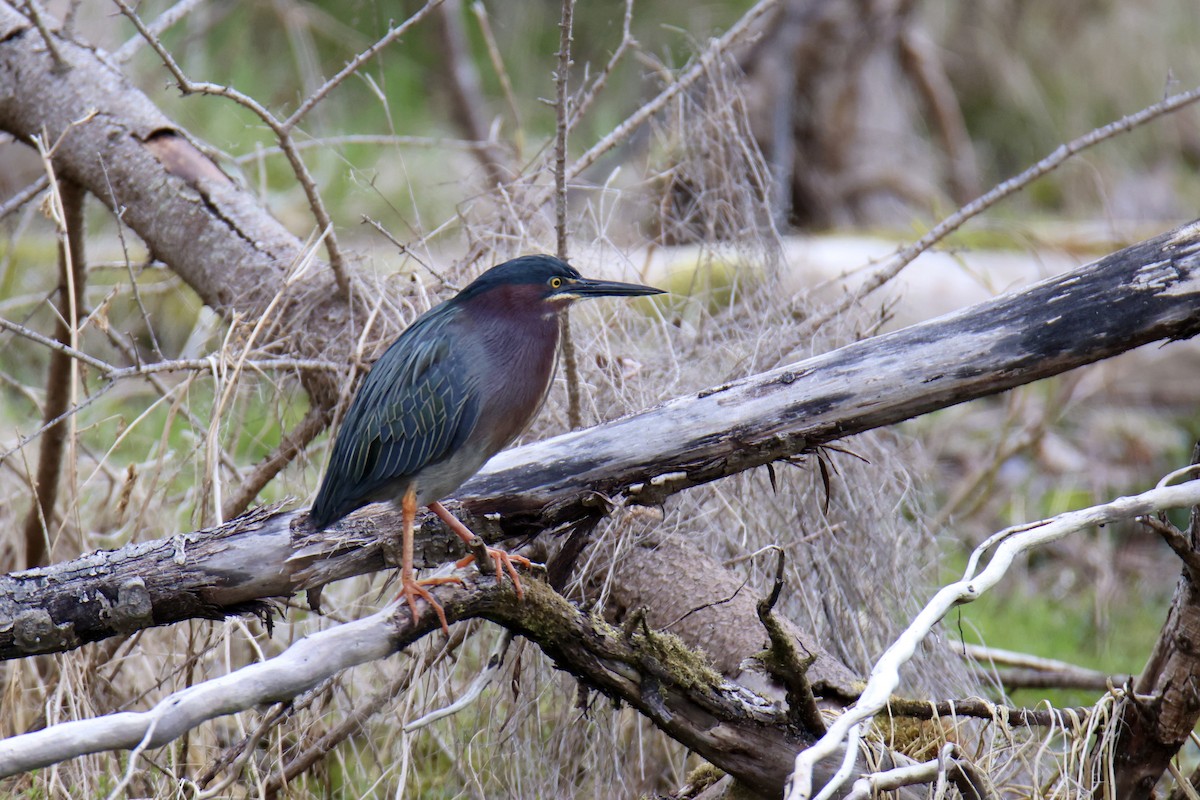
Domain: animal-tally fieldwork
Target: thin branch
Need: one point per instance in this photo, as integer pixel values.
(485, 677)
(585, 102)
(24, 196)
(908, 254)
(62, 378)
(978, 708)
(785, 664)
(353, 723)
(562, 114)
(1178, 543)
(1038, 672)
(355, 63)
(70, 412)
(161, 24)
(969, 781)
(35, 14)
(717, 49)
(1007, 545)
(489, 40)
(381, 139)
(283, 129)
(1086, 679)
(110, 372)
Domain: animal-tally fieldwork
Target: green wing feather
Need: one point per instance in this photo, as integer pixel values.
(415, 408)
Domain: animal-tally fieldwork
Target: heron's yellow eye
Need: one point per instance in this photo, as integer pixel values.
(555, 282)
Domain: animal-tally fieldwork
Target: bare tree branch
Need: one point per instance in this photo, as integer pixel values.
(907, 254)
(562, 115)
(212, 233)
(62, 379)
(1165, 706)
(725, 723)
(1004, 547)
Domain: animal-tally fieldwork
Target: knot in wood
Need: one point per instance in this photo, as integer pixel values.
(34, 631)
(134, 609)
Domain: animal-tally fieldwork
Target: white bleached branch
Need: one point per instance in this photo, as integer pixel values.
(1007, 545)
(298, 669)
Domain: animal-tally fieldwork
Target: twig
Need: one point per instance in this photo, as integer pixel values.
(785, 664)
(164, 21)
(1178, 543)
(119, 213)
(906, 255)
(1007, 545)
(133, 760)
(585, 102)
(570, 364)
(489, 40)
(381, 139)
(971, 784)
(295, 272)
(247, 747)
(114, 373)
(355, 63)
(188, 86)
(24, 196)
(70, 412)
(979, 708)
(688, 77)
(1086, 679)
(353, 723)
(718, 48)
(36, 16)
(1039, 672)
(488, 674)
(1011, 658)
(283, 129)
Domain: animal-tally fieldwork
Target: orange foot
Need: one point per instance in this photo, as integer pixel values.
(503, 561)
(410, 590)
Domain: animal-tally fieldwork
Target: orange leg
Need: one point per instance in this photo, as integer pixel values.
(502, 559)
(410, 587)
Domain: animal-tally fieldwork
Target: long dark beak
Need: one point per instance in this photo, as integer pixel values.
(586, 287)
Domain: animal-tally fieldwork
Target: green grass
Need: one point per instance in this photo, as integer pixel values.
(1114, 636)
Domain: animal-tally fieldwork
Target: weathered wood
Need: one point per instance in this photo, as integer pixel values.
(1144, 293)
(1162, 713)
(748, 736)
(1147, 292)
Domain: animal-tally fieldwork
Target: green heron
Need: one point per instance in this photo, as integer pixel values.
(454, 389)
